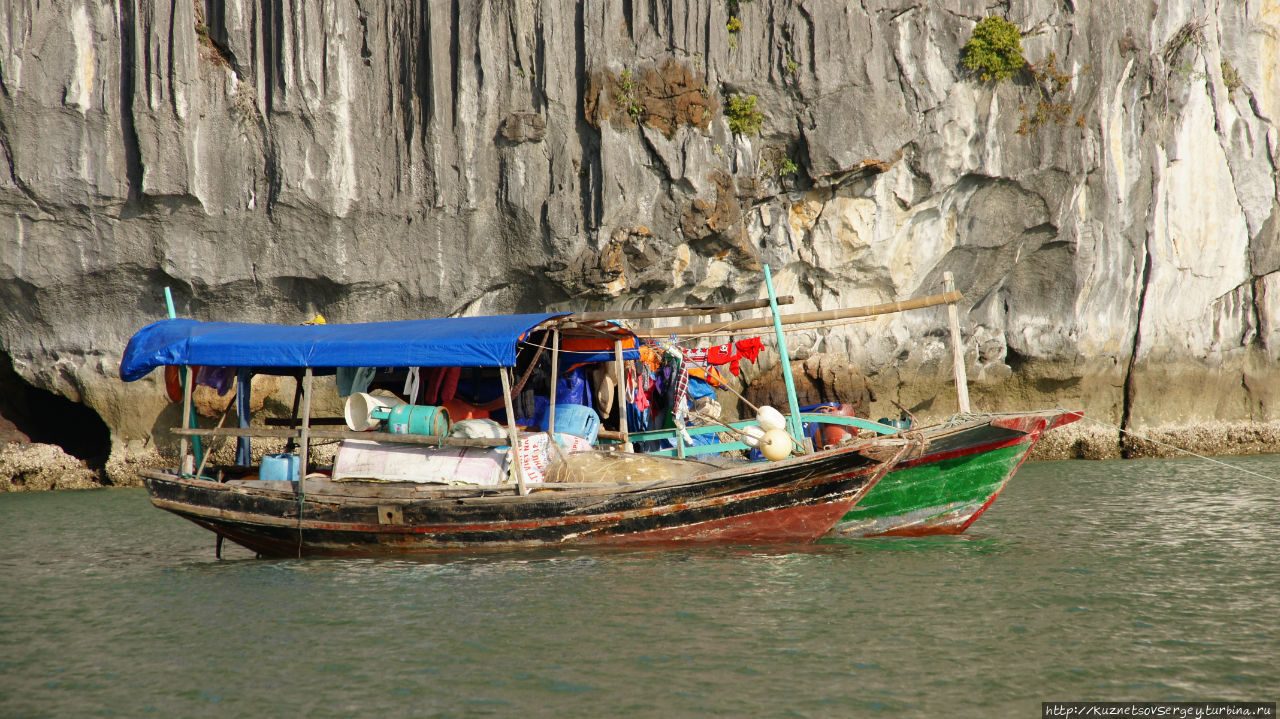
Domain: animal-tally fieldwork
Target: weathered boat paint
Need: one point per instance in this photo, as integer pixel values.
(948, 488)
(797, 500)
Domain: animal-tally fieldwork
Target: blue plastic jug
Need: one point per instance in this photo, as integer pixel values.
(576, 419)
(279, 468)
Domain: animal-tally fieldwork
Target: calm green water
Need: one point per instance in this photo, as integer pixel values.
(1141, 580)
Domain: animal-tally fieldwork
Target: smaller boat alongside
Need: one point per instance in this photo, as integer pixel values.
(948, 487)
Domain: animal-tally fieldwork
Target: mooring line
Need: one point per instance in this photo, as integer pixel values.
(1177, 448)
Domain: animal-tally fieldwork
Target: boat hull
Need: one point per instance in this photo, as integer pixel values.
(797, 500)
(948, 488)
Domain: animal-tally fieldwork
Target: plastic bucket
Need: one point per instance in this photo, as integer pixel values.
(418, 419)
(360, 408)
(279, 468)
(578, 420)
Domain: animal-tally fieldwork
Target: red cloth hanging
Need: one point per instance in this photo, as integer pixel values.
(750, 348)
(449, 384)
(433, 379)
(720, 354)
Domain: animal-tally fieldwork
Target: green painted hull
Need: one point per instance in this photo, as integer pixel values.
(952, 484)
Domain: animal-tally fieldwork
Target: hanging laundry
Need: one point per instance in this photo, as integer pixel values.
(732, 353)
(721, 354)
(651, 356)
(639, 387)
(411, 385)
(710, 375)
(449, 384)
(697, 388)
(244, 414)
(750, 348)
(571, 388)
(219, 378)
(698, 356)
(680, 402)
(432, 379)
(351, 380)
(603, 377)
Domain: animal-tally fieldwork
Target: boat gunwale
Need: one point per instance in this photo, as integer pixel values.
(510, 492)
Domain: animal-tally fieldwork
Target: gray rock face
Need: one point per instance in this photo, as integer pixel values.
(1116, 234)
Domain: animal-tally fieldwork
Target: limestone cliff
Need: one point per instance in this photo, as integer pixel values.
(1113, 218)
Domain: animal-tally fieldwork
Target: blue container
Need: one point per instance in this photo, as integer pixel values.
(279, 468)
(576, 419)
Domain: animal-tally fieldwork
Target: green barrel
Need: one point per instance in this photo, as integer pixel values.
(418, 419)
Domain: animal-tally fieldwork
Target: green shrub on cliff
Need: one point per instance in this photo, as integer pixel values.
(744, 118)
(995, 50)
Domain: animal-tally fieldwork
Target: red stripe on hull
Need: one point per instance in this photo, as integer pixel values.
(803, 524)
(794, 524)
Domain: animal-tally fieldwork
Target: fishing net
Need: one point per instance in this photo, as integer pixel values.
(598, 466)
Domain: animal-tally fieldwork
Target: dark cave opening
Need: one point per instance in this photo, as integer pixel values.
(49, 418)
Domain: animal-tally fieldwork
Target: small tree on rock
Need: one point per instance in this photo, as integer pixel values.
(995, 50)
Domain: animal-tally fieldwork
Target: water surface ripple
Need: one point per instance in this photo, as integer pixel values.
(1140, 580)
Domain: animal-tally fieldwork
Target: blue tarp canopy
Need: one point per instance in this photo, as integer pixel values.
(445, 342)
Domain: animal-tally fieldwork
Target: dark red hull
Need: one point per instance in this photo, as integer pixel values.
(797, 500)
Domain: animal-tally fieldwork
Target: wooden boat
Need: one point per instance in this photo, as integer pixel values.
(796, 500)
(946, 488)
(939, 479)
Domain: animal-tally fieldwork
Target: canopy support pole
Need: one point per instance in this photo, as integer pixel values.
(293, 414)
(622, 396)
(793, 405)
(555, 381)
(503, 372)
(305, 439)
(305, 442)
(186, 421)
(957, 347)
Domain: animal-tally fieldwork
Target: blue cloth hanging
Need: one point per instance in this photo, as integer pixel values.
(572, 387)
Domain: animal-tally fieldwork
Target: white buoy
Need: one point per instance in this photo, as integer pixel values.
(770, 418)
(751, 435)
(775, 445)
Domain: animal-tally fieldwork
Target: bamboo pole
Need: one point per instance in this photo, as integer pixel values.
(818, 316)
(622, 395)
(305, 441)
(555, 381)
(957, 346)
(205, 459)
(511, 428)
(293, 414)
(187, 381)
(283, 433)
(790, 329)
(686, 311)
